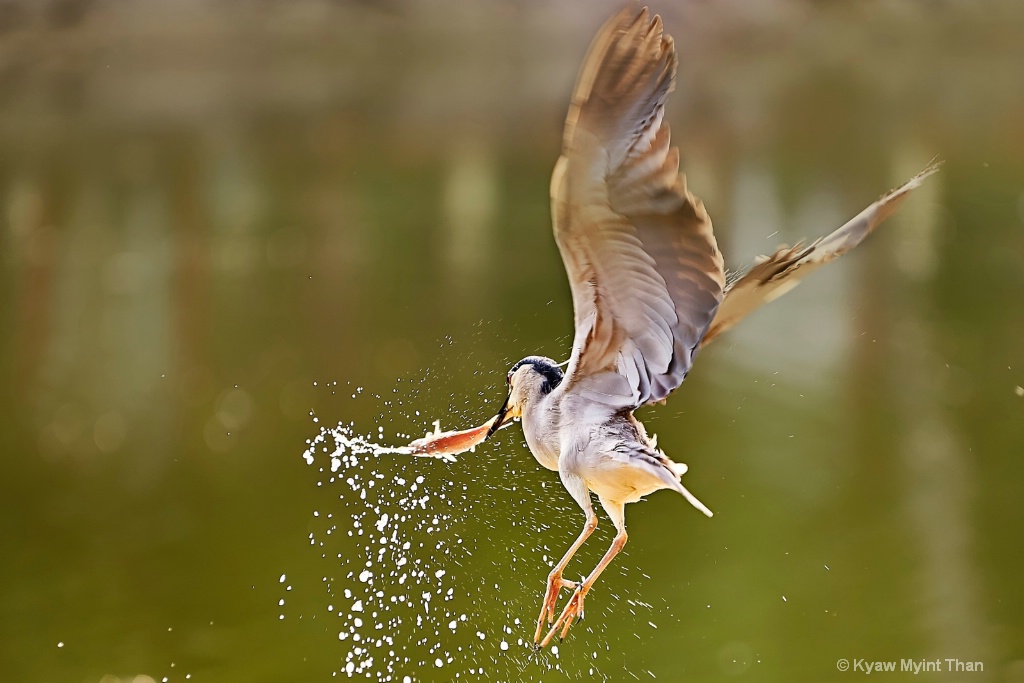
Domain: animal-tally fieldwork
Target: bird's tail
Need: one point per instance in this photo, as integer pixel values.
(679, 469)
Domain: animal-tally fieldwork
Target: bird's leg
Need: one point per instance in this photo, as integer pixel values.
(574, 610)
(555, 581)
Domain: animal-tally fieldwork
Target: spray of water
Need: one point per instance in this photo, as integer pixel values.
(414, 588)
(434, 566)
(349, 445)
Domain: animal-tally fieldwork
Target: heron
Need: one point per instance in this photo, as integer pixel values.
(649, 290)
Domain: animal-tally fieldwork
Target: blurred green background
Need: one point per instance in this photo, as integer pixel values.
(221, 219)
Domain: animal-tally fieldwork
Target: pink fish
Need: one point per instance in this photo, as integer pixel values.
(452, 443)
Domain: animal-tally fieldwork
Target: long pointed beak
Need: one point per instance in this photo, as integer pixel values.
(501, 419)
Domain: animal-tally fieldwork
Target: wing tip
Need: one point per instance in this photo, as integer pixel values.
(632, 36)
(891, 200)
(933, 167)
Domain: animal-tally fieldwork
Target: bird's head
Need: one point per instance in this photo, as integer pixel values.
(528, 380)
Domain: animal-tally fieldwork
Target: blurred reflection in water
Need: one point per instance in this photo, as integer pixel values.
(218, 221)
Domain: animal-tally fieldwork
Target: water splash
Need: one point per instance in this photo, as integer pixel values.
(349, 446)
(413, 585)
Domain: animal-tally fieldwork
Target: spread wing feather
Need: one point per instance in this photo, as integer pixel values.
(772, 276)
(644, 268)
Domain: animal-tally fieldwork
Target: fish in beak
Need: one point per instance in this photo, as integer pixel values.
(438, 443)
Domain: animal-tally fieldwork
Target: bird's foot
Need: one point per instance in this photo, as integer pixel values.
(572, 612)
(547, 610)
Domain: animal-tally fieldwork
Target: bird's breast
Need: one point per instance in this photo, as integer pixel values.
(542, 437)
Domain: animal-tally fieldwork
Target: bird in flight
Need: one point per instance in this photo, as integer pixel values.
(648, 289)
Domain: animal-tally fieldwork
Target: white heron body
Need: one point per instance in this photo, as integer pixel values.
(609, 451)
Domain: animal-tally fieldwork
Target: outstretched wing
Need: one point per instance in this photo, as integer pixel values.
(645, 271)
(772, 276)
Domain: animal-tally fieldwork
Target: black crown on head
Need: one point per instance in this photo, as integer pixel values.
(546, 368)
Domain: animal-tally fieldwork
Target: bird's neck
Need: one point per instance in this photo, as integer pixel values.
(540, 427)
